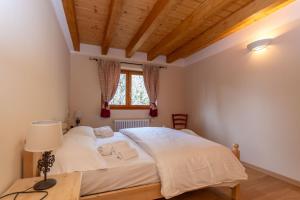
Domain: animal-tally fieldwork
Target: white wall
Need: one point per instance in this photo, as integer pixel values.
(85, 94)
(253, 99)
(34, 76)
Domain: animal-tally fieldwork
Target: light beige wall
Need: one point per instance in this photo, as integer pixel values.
(85, 94)
(34, 76)
(252, 99)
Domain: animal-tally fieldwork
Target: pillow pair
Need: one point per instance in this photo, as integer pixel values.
(104, 131)
(78, 152)
(83, 131)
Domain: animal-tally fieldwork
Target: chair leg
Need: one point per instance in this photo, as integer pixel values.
(236, 193)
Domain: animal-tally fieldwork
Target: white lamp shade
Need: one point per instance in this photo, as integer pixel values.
(78, 114)
(44, 136)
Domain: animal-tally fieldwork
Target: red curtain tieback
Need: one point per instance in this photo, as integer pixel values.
(153, 110)
(105, 112)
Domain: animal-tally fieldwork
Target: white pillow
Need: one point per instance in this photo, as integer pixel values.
(189, 131)
(82, 130)
(77, 153)
(104, 131)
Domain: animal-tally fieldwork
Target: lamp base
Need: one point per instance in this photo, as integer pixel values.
(44, 184)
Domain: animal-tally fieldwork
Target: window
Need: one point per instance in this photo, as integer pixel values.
(131, 92)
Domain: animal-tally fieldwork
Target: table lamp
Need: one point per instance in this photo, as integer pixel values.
(44, 136)
(78, 115)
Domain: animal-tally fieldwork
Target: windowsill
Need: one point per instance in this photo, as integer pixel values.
(129, 107)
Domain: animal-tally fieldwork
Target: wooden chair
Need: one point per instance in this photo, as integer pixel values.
(179, 121)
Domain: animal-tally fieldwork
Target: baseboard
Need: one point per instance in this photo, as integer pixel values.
(273, 174)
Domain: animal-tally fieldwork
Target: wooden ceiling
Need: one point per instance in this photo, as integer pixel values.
(175, 28)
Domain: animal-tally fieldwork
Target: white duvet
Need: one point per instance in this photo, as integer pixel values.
(186, 162)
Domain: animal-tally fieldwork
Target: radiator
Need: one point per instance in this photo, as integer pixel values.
(131, 123)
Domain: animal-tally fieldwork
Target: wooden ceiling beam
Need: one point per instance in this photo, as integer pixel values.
(252, 12)
(152, 21)
(70, 13)
(115, 10)
(191, 23)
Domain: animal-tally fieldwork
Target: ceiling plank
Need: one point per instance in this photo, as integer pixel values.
(238, 20)
(152, 21)
(200, 14)
(70, 13)
(115, 10)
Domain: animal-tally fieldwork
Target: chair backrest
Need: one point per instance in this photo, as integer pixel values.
(179, 121)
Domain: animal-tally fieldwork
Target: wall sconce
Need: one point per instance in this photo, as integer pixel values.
(259, 44)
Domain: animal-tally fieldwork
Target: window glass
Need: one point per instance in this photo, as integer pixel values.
(139, 94)
(133, 95)
(120, 96)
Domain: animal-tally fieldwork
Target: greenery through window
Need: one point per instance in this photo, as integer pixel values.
(120, 96)
(131, 92)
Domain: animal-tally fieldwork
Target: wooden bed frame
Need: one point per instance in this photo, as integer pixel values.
(143, 192)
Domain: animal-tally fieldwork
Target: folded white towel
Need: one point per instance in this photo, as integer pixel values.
(120, 145)
(127, 154)
(110, 148)
(104, 131)
(106, 149)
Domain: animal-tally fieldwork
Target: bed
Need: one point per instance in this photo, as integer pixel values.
(151, 175)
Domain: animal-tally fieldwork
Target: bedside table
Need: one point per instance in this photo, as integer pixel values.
(66, 188)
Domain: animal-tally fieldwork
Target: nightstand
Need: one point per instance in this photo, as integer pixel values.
(67, 188)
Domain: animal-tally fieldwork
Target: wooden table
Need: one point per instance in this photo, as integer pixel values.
(66, 188)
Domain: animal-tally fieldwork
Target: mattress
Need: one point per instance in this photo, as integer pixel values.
(120, 174)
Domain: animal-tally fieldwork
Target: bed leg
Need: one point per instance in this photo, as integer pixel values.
(236, 151)
(235, 193)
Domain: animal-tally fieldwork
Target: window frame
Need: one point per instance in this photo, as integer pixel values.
(128, 105)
